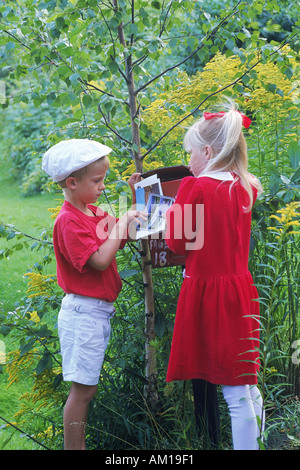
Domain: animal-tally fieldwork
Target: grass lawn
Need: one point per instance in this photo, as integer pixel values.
(30, 215)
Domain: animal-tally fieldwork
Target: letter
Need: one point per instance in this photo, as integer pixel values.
(162, 460)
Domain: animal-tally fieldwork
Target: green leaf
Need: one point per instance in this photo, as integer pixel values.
(57, 381)
(156, 5)
(51, 97)
(274, 185)
(128, 273)
(271, 87)
(296, 176)
(294, 154)
(133, 28)
(44, 332)
(5, 330)
(44, 363)
(27, 347)
(246, 79)
(113, 66)
(230, 44)
(64, 71)
(11, 235)
(60, 22)
(87, 100)
(74, 78)
(272, 170)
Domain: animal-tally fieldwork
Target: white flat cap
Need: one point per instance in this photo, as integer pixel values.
(71, 155)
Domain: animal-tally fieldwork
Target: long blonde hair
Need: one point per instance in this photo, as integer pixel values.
(228, 145)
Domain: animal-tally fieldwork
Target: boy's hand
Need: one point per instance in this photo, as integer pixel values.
(102, 258)
(132, 219)
(133, 215)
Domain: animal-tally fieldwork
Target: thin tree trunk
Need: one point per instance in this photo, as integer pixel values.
(150, 390)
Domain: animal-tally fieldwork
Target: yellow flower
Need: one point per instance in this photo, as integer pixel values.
(288, 218)
(49, 433)
(39, 285)
(34, 317)
(147, 166)
(16, 364)
(276, 217)
(269, 93)
(54, 211)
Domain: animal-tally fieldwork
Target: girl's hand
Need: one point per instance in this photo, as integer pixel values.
(134, 178)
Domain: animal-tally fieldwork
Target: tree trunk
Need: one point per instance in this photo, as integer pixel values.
(150, 389)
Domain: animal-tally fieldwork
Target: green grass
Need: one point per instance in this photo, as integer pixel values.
(29, 215)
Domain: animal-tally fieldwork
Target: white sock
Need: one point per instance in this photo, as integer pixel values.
(258, 408)
(244, 403)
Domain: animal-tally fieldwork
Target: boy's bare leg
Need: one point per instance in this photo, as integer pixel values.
(75, 415)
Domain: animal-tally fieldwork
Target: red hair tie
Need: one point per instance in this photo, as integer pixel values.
(246, 120)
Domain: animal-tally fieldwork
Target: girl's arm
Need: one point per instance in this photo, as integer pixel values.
(134, 178)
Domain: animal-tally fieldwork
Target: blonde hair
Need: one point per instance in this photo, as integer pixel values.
(228, 145)
(78, 174)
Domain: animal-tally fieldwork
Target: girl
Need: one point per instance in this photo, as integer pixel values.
(216, 332)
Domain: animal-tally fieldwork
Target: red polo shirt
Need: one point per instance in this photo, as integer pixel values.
(76, 236)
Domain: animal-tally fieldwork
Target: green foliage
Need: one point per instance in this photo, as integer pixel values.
(65, 72)
(25, 136)
(275, 264)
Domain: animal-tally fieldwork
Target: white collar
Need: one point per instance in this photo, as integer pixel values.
(218, 175)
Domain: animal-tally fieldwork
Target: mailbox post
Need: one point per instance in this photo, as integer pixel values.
(205, 393)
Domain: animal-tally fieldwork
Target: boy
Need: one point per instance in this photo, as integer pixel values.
(85, 240)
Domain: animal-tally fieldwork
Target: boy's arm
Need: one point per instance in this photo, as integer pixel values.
(134, 178)
(105, 254)
(102, 258)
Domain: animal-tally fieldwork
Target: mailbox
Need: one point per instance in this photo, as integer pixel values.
(170, 178)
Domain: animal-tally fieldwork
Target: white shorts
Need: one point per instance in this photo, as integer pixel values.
(83, 330)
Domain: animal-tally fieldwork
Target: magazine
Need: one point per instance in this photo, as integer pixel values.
(150, 199)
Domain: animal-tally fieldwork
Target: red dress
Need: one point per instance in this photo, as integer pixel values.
(216, 331)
